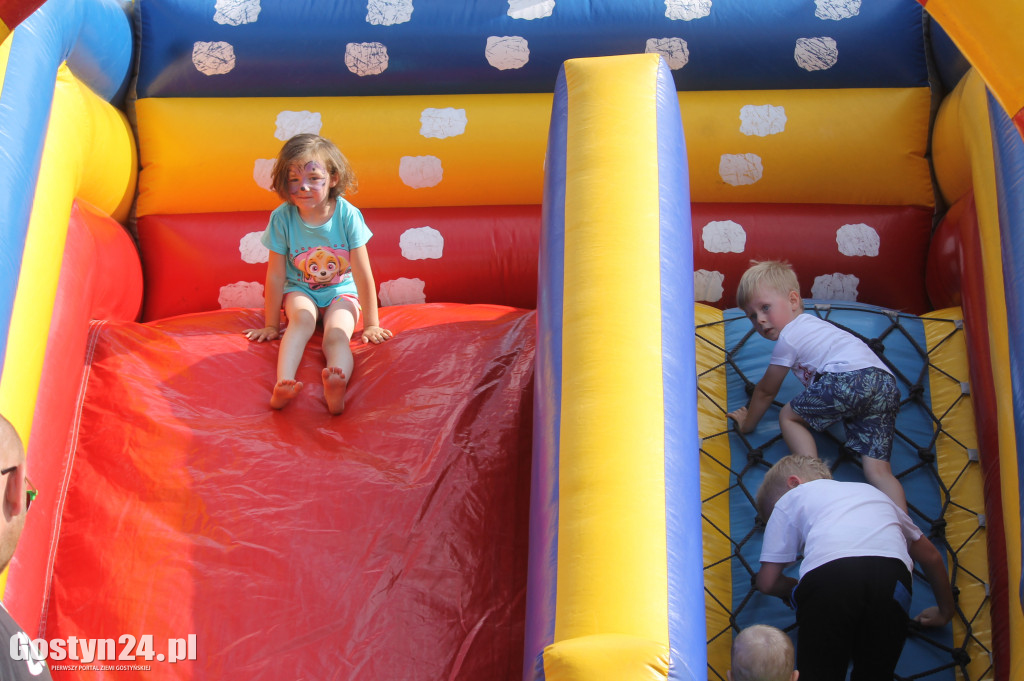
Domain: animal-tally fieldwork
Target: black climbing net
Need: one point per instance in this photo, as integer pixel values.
(956, 526)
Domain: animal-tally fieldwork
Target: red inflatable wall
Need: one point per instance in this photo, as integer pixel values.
(101, 278)
(488, 254)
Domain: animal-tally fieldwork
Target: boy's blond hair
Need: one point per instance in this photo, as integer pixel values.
(774, 274)
(775, 482)
(761, 653)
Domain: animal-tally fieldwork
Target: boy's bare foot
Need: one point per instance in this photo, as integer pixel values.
(283, 393)
(335, 385)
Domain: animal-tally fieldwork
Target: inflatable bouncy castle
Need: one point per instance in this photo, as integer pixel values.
(535, 478)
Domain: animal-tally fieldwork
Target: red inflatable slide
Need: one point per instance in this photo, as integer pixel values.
(389, 542)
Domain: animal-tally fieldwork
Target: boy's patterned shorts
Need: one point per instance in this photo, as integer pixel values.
(866, 401)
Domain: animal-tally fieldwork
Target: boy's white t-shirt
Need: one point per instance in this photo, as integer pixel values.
(810, 345)
(826, 520)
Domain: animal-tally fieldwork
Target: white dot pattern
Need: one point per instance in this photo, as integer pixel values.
(443, 123)
(740, 169)
(816, 54)
(213, 59)
(241, 294)
(262, 172)
(687, 10)
(724, 236)
(366, 59)
(419, 172)
(836, 286)
(252, 249)
(762, 120)
(505, 52)
(674, 50)
(388, 12)
(858, 240)
(707, 286)
(421, 243)
(530, 9)
(836, 10)
(236, 12)
(403, 291)
(291, 123)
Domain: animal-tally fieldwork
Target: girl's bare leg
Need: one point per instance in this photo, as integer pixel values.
(301, 312)
(797, 435)
(339, 323)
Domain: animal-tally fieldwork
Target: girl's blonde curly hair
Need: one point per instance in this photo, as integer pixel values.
(306, 147)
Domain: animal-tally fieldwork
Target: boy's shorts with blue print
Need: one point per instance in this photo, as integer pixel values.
(866, 401)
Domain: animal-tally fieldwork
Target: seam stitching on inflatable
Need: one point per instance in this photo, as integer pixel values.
(72, 446)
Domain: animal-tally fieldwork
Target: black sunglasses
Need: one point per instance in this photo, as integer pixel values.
(30, 494)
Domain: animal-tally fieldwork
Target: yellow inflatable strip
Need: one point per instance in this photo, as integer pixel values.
(967, 105)
(712, 400)
(89, 153)
(956, 448)
(5, 53)
(612, 557)
(864, 146)
(201, 155)
(606, 656)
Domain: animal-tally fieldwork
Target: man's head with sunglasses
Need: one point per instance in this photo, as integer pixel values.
(18, 493)
(15, 490)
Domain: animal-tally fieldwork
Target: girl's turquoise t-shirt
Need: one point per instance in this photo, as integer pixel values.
(317, 257)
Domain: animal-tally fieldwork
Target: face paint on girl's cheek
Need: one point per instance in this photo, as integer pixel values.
(306, 183)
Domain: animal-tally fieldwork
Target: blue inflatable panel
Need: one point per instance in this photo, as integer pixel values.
(950, 63)
(687, 630)
(282, 49)
(903, 340)
(543, 549)
(1009, 163)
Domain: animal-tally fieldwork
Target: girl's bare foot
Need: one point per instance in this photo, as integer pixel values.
(284, 391)
(335, 385)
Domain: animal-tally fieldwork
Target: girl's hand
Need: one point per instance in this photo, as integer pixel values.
(375, 334)
(267, 333)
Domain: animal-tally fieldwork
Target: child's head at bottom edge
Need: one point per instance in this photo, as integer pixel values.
(762, 653)
(778, 480)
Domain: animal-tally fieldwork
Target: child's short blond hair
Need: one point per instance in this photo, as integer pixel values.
(775, 482)
(775, 274)
(762, 653)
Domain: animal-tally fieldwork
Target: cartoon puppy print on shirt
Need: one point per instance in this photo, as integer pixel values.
(322, 266)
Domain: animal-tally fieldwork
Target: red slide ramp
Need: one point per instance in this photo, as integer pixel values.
(386, 543)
